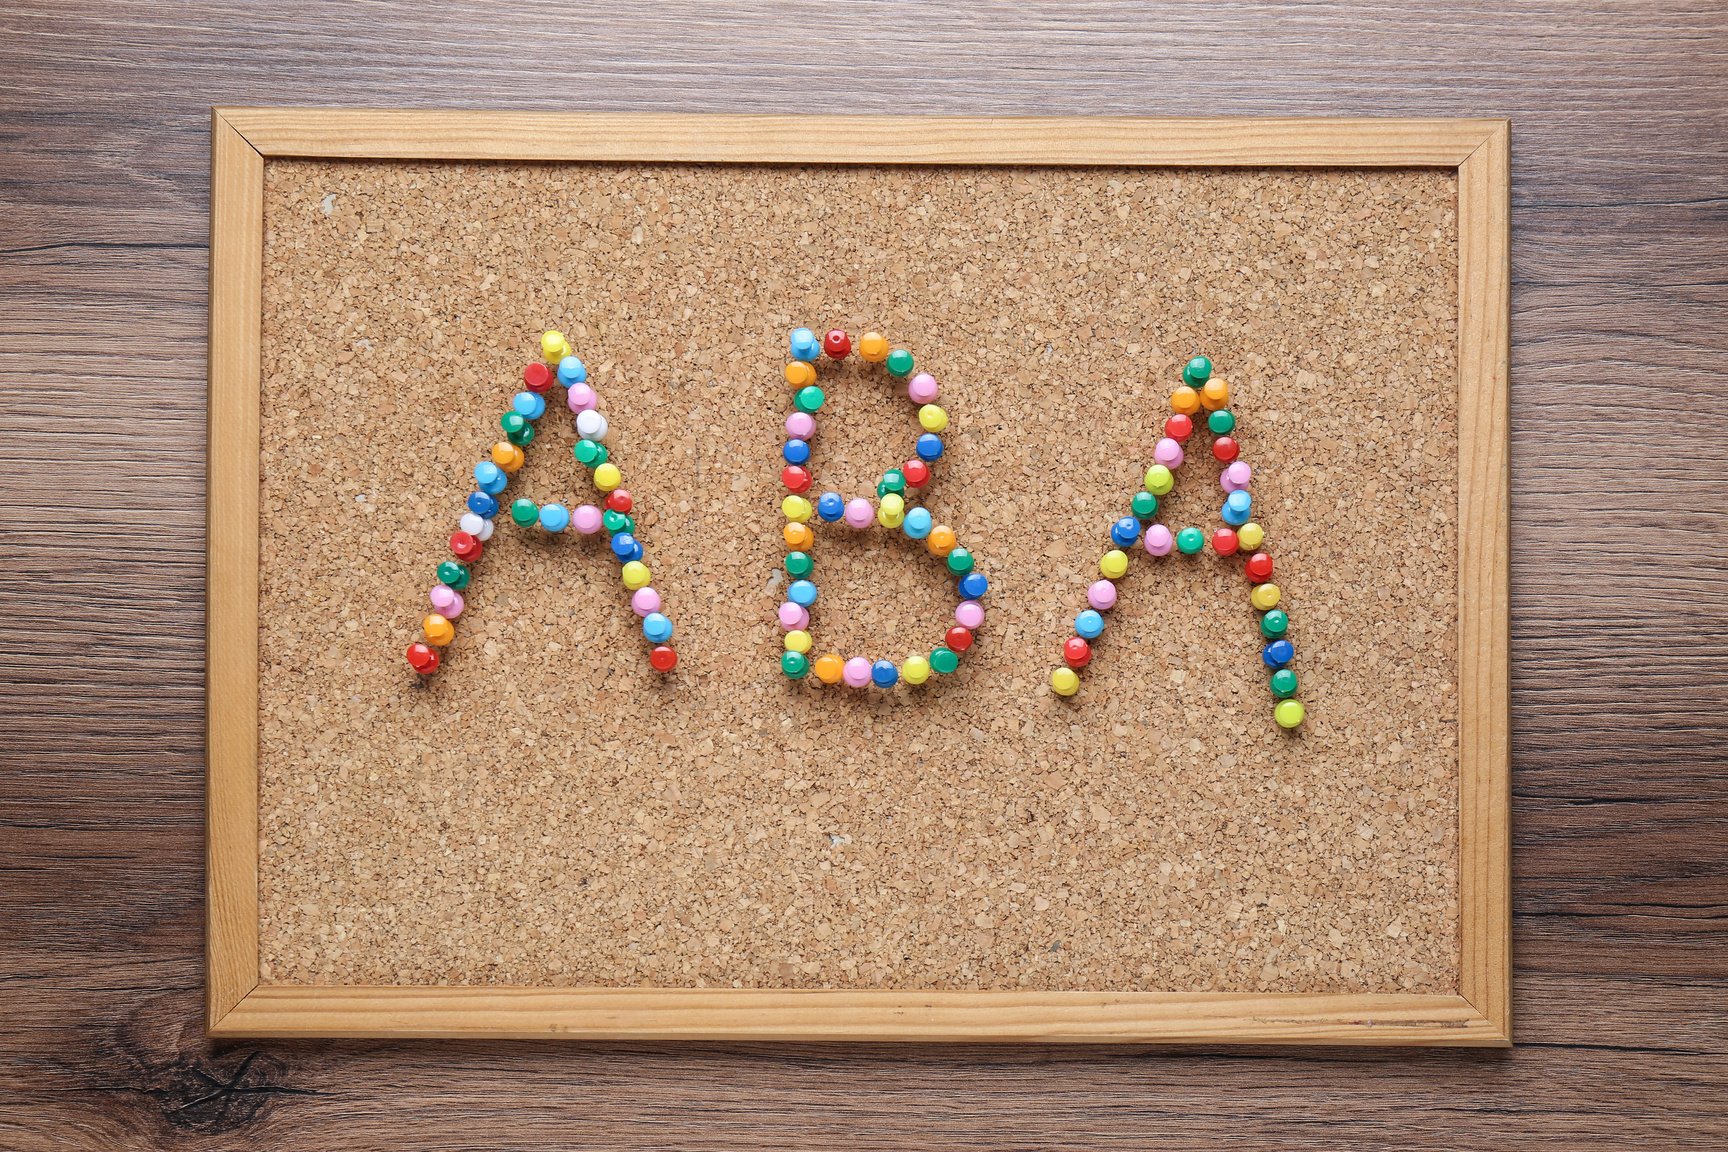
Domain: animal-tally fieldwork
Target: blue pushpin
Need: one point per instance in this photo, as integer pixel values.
(929, 446)
(805, 346)
(1125, 531)
(796, 451)
(554, 517)
(918, 523)
(831, 506)
(623, 546)
(801, 593)
(1278, 653)
(572, 371)
(490, 478)
(1236, 508)
(883, 673)
(482, 505)
(972, 585)
(1089, 625)
(529, 405)
(656, 628)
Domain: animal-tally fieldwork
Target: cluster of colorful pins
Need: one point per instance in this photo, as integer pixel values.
(492, 476)
(890, 509)
(1205, 398)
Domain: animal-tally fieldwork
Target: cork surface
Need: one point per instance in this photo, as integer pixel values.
(548, 810)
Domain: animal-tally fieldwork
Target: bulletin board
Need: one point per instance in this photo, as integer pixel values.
(550, 838)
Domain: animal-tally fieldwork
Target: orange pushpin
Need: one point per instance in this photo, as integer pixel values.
(1214, 394)
(439, 631)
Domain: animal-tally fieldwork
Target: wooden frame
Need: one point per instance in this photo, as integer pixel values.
(1477, 1013)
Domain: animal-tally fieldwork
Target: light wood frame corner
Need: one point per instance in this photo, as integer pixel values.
(1477, 1013)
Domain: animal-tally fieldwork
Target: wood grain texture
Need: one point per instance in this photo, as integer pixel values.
(1484, 752)
(398, 134)
(284, 1011)
(1619, 403)
(231, 853)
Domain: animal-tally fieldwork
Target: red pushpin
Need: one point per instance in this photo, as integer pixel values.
(537, 376)
(837, 344)
(663, 658)
(1076, 652)
(465, 546)
(796, 478)
(1259, 568)
(423, 658)
(958, 638)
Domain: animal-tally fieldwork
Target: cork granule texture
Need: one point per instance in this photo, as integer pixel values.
(547, 810)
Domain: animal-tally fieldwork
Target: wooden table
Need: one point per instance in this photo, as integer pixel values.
(1620, 631)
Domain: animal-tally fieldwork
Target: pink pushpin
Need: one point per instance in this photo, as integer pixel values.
(581, 398)
(446, 601)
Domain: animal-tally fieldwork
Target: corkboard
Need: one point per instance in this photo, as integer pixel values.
(548, 811)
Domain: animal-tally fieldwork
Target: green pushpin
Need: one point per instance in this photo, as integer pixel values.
(798, 564)
(589, 453)
(809, 398)
(959, 561)
(1274, 624)
(1190, 541)
(454, 573)
(1197, 372)
(1222, 421)
(944, 660)
(794, 664)
(1283, 683)
(524, 511)
(1144, 505)
(893, 480)
(899, 362)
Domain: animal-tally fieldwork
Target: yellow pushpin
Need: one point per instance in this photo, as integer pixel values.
(554, 347)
